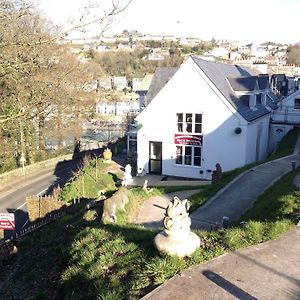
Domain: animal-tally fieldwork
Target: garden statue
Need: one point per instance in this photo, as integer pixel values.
(177, 238)
(217, 174)
(145, 187)
(111, 205)
(127, 177)
(107, 155)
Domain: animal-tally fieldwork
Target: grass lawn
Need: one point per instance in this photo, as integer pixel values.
(78, 257)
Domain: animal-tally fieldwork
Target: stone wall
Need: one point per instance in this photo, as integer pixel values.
(39, 207)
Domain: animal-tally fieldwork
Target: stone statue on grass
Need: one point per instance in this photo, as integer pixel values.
(177, 238)
(127, 176)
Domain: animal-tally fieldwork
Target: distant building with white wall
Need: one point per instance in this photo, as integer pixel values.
(118, 108)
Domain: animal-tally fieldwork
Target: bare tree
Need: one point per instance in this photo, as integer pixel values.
(40, 79)
(293, 54)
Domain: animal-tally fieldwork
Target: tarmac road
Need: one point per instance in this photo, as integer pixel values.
(13, 196)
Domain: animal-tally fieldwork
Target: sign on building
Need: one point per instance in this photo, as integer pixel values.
(7, 221)
(184, 139)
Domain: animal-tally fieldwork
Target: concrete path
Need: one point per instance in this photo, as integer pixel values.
(163, 181)
(266, 272)
(232, 201)
(241, 193)
(152, 211)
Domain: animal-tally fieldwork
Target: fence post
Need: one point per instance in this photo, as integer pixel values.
(83, 191)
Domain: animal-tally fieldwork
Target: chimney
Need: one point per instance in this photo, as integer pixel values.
(263, 98)
(252, 102)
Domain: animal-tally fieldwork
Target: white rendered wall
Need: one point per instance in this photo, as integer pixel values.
(257, 150)
(188, 92)
(286, 112)
(277, 132)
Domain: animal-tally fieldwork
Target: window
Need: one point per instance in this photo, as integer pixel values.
(197, 156)
(189, 123)
(188, 139)
(198, 123)
(188, 155)
(180, 122)
(297, 104)
(179, 155)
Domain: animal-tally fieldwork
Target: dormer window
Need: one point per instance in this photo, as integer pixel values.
(297, 104)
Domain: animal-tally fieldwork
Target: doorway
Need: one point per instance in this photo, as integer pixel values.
(155, 157)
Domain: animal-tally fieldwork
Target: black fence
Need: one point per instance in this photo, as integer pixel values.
(8, 247)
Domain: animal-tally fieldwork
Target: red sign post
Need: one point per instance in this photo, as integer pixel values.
(7, 221)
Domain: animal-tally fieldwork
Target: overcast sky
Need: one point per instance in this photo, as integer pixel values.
(249, 21)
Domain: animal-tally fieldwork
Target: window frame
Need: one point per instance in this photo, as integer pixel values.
(185, 125)
(297, 106)
(188, 160)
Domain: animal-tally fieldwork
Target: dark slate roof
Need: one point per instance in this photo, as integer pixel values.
(249, 83)
(245, 84)
(279, 77)
(219, 75)
(272, 100)
(263, 82)
(160, 78)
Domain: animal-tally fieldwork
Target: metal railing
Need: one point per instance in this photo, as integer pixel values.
(7, 247)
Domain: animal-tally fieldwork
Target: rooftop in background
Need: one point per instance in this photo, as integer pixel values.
(144, 84)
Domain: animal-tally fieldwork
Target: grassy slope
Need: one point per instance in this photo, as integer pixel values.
(79, 258)
(285, 147)
(87, 260)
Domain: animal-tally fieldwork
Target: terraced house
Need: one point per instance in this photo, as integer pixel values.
(202, 114)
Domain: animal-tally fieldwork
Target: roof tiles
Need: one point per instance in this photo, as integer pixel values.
(229, 79)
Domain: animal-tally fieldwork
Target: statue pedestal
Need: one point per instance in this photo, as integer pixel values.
(177, 238)
(177, 245)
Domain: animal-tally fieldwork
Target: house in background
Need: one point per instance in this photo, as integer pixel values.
(284, 118)
(203, 114)
(119, 107)
(141, 88)
(119, 83)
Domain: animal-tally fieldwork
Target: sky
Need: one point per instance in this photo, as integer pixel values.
(247, 21)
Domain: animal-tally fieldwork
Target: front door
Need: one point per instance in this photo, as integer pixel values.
(155, 157)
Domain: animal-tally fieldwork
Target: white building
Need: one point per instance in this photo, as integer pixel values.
(206, 113)
(284, 118)
(220, 52)
(119, 82)
(118, 108)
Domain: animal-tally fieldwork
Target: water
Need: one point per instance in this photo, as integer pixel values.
(90, 139)
(102, 135)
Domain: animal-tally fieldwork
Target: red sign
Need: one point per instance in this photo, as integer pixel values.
(185, 139)
(7, 221)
